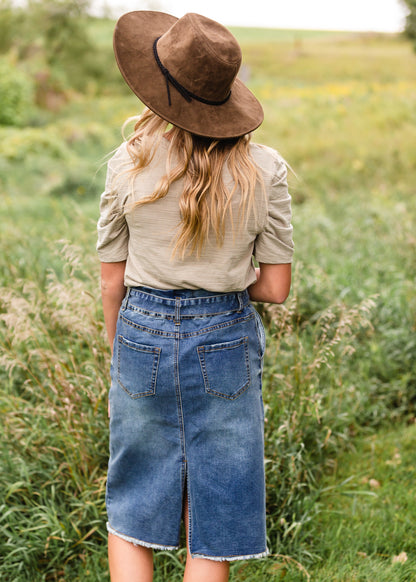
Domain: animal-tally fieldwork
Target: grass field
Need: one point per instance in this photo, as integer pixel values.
(340, 376)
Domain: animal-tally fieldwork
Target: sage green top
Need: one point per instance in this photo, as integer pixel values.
(144, 236)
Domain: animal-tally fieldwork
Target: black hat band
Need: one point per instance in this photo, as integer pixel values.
(188, 95)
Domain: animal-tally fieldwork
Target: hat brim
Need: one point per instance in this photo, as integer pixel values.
(133, 40)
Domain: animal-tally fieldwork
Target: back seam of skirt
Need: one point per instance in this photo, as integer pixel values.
(179, 397)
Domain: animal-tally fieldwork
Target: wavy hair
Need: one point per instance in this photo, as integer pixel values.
(206, 202)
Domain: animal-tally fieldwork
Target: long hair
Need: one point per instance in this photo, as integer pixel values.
(206, 202)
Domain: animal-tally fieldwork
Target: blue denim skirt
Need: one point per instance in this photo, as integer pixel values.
(187, 420)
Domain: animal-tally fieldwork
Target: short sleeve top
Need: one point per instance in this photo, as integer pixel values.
(144, 236)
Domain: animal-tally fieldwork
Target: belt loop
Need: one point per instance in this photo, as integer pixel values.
(125, 300)
(240, 302)
(177, 310)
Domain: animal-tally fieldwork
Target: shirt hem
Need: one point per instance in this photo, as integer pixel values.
(104, 259)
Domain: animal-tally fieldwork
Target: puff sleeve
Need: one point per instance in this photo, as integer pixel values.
(112, 228)
(274, 245)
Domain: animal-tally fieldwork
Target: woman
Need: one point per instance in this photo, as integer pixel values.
(188, 202)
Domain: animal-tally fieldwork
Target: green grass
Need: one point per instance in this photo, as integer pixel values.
(367, 512)
(340, 362)
(256, 36)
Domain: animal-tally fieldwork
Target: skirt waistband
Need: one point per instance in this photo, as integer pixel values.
(189, 302)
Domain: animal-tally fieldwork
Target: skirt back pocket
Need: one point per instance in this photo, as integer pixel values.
(137, 367)
(225, 368)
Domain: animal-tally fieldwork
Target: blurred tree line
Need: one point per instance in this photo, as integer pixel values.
(47, 53)
(410, 26)
(55, 26)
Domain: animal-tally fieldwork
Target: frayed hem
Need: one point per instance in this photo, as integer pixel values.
(137, 542)
(232, 558)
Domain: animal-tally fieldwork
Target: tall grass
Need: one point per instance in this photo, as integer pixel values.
(56, 359)
(54, 394)
(307, 415)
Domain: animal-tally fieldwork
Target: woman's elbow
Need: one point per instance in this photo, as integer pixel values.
(111, 286)
(112, 278)
(278, 280)
(278, 289)
(279, 295)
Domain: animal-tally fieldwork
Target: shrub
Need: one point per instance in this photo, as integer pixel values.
(16, 94)
(78, 184)
(10, 18)
(18, 145)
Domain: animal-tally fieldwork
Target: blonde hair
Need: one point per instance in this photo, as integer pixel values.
(205, 202)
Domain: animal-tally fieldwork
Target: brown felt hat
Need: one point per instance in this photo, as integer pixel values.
(185, 71)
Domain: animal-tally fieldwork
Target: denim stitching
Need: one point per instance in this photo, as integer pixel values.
(179, 399)
(234, 344)
(170, 334)
(160, 315)
(149, 313)
(185, 300)
(187, 334)
(149, 349)
(184, 471)
(217, 326)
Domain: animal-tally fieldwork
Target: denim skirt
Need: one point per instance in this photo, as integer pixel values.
(187, 420)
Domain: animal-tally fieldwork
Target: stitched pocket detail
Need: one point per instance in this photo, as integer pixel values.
(137, 367)
(225, 368)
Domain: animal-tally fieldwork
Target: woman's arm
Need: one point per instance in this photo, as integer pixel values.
(112, 293)
(273, 283)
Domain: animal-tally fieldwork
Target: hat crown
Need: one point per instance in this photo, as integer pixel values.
(202, 55)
